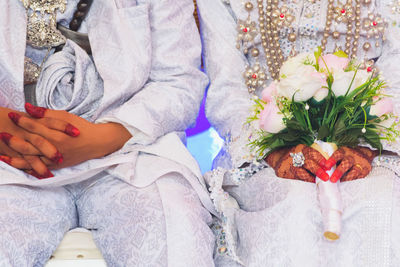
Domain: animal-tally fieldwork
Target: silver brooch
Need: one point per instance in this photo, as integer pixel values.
(298, 159)
(41, 34)
(42, 22)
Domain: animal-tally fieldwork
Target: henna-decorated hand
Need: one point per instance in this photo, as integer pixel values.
(354, 163)
(281, 161)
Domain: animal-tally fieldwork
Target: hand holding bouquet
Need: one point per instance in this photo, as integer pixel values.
(325, 102)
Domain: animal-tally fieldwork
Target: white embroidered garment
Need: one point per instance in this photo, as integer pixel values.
(155, 96)
(278, 222)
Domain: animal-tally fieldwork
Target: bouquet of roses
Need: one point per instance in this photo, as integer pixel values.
(326, 102)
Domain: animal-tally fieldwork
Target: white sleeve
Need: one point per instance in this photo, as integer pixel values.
(228, 101)
(170, 99)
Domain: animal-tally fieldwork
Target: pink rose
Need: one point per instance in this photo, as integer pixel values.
(268, 93)
(271, 119)
(333, 62)
(383, 106)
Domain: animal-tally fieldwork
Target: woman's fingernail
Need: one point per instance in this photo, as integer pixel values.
(34, 111)
(47, 174)
(71, 130)
(322, 175)
(5, 159)
(14, 117)
(5, 137)
(58, 158)
(337, 174)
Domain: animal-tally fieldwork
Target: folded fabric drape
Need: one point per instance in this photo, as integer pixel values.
(70, 81)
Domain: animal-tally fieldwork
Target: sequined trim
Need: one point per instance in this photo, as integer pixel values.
(239, 148)
(388, 162)
(240, 175)
(226, 206)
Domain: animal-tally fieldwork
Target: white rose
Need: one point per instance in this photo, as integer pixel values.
(303, 84)
(342, 80)
(291, 66)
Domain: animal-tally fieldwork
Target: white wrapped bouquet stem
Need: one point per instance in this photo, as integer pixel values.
(330, 199)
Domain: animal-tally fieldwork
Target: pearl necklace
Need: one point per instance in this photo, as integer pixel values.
(272, 19)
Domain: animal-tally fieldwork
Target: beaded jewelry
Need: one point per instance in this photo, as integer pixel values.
(80, 14)
(276, 22)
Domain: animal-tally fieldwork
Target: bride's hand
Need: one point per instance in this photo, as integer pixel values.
(300, 162)
(92, 140)
(352, 163)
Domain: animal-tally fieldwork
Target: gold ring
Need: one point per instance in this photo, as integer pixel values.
(358, 166)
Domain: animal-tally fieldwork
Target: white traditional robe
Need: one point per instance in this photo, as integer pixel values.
(151, 86)
(146, 204)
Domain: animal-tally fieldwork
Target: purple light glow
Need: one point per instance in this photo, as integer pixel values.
(202, 123)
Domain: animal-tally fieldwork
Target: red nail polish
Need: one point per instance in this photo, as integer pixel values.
(5, 137)
(5, 159)
(46, 175)
(36, 112)
(14, 117)
(337, 174)
(71, 130)
(58, 158)
(322, 175)
(330, 163)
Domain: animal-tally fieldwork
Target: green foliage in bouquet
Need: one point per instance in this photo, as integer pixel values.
(343, 120)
